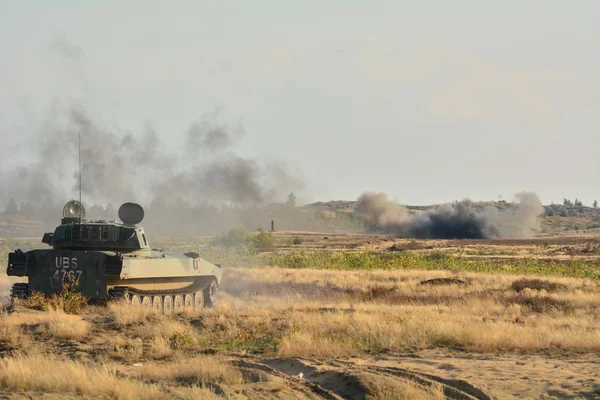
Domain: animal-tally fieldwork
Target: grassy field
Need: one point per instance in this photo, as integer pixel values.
(358, 316)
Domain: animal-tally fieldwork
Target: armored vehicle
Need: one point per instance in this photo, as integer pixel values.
(106, 260)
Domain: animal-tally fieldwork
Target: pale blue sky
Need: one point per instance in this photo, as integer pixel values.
(427, 101)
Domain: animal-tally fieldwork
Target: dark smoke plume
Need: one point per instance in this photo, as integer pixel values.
(202, 185)
(459, 220)
(181, 187)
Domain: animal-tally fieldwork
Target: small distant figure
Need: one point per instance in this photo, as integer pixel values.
(272, 226)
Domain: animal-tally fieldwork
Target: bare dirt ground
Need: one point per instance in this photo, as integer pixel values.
(329, 334)
(478, 376)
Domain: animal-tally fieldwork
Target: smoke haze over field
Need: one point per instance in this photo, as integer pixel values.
(452, 221)
(193, 175)
(118, 166)
(318, 97)
(204, 184)
(188, 183)
(202, 187)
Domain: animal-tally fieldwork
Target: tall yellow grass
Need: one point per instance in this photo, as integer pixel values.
(202, 370)
(63, 326)
(331, 313)
(383, 387)
(46, 374)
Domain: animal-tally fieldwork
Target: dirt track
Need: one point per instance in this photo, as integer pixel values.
(341, 377)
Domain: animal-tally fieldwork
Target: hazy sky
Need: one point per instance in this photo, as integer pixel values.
(428, 102)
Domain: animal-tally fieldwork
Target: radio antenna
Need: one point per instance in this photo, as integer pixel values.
(79, 166)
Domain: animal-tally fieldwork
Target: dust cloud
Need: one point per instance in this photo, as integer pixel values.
(459, 220)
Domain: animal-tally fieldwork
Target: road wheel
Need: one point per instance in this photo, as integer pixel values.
(178, 303)
(198, 299)
(157, 303)
(135, 300)
(188, 301)
(168, 304)
(210, 292)
(147, 301)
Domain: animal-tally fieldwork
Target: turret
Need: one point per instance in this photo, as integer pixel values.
(76, 232)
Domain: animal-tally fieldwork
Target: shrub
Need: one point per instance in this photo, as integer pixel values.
(37, 301)
(536, 284)
(296, 241)
(264, 241)
(234, 238)
(182, 340)
(243, 242)
(66, 300)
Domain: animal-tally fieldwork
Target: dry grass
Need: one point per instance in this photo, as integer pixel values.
(330, 313)
(536, 284)
(333, 313)
(59, 325)
(127, 349)
(203, 371)
(146, 333)
(41, 373)
(304, 313)
(159, 348)
(126, 314)
(383, 387)
(10, 333)
(164, 327)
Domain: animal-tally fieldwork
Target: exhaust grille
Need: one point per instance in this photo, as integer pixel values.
(114, 265)
(17, 263)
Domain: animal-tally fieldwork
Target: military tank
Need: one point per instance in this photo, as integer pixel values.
(112, 260)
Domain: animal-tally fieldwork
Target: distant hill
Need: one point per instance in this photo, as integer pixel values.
(557, 218)
(550, 210)
(329, 216)
(348, 206)
(19, 226)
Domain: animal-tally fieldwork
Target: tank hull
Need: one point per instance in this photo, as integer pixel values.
(105, 260)
(95, 274)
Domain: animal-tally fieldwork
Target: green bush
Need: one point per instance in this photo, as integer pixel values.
(435, 261)
(296, 241)
(241, 242)
(264, 241)
(234, 238)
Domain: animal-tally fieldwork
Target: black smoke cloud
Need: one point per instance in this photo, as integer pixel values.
(460, 220)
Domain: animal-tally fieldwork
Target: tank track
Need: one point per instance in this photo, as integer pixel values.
(19, 290)
(203, 286)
